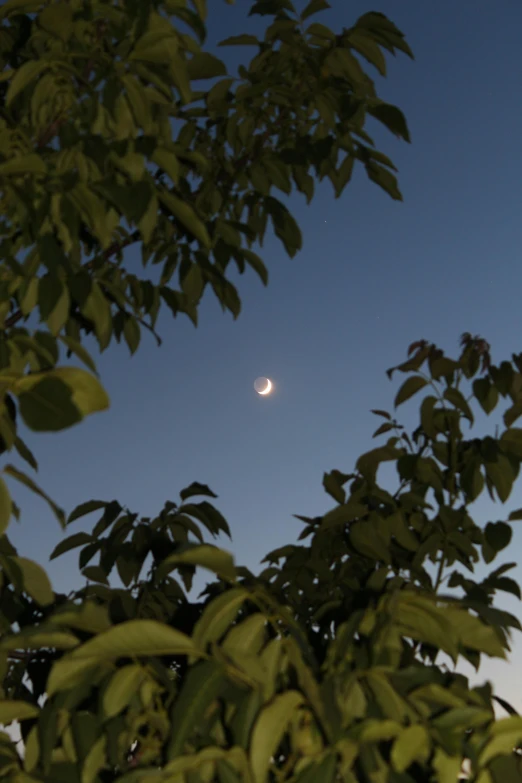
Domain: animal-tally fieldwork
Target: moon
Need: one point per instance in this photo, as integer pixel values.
(263, 385)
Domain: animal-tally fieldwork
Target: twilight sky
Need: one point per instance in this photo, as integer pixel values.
(374, 275)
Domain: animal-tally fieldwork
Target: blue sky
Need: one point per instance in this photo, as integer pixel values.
(374, 275)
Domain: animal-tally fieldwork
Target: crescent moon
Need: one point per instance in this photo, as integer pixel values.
(268, 387)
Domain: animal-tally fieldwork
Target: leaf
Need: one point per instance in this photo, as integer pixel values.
(410, 387)
(167, 161)
(59, 316)
(187, 217)
(513, 413)
(413, 744)
(385, 427)
(57, 20)
(501, 475)
(94, 761)
(333, 484)
(77, 348)
(240, 40)
(498, 535)
(285, 226)
(122, 687)
(11, 710)
(36, 581)
(200, 688)
(36, 638)
(87, 508)
(392, 118)
(132, 334)
(384, 414)
(196, 489)
(268, 731)
(25, 453)
(368, 541)
(204, 65)
(313, 7)
(459, 401)
(369, 49)
(128, 639)
(207, 556)
(57, 399)
(98, 310)
(25, 164)
(78, 539)
(23, 77)
(384, 178)
(30, 484)
(218, 616)
(486, 394)
(6, 507)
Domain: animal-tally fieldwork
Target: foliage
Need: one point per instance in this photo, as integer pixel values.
(332, 663)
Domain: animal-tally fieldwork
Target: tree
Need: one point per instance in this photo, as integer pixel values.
(327, 665)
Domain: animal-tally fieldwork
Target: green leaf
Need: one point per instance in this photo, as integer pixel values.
(11, 710)
(96, 573)
(240, 40)
(59, 398)
(248, 636)
(218, 616)
(204, 65)
(256, 263)
(132, 333)
(196, 489)
(269, 729)
(385, 427)
(410, 387)
(78, 539)
(498, 535)
(513, 413)
(121, 689)
(36, 581)
(392, 118)
(384, 178)
(501, 475)
(57, 20)
(285, 226)
(368, 541)
(23, 77)
(200, 688)
(313, 7)
(206, 556)
(187, 217)
(30, 484)
(384, 414)
(459, 401)
(333, 484)
(511, 442)
(6, 507)
(25, 164)
(369, 49)
(36, 638)
(486, 394)
(78, 350)
(98, 310)
(87, 508)
(167, 161)
(25, 453)
(126, 640)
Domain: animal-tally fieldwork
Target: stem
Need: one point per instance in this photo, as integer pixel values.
(442, 563)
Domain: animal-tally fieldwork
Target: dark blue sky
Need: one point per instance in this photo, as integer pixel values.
(373, 276)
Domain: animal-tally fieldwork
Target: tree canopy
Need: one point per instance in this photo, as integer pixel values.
(333, 663)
